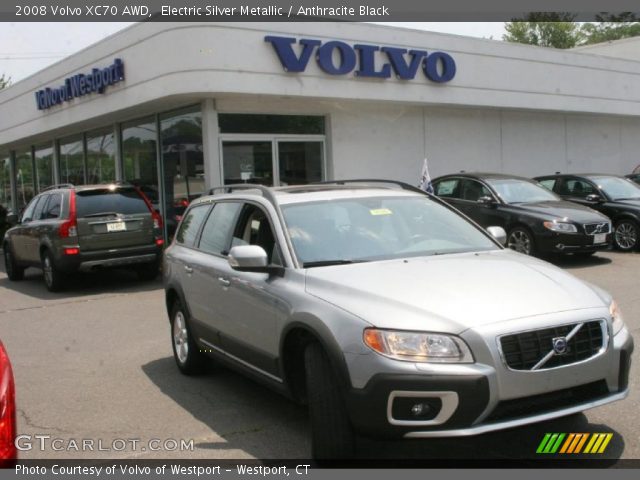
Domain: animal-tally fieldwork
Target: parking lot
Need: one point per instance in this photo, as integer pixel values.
(95, 363)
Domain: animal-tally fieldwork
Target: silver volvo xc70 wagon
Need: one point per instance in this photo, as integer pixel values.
(388, 312)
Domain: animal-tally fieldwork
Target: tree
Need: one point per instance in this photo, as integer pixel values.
(611, 27)
(4, 81)
(557, 30)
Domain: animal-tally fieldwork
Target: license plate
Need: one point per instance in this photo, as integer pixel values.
(116, 227)
(600, 238)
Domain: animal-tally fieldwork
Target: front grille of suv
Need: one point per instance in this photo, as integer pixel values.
(525, 350)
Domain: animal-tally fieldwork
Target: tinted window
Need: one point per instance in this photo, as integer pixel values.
(191, 224)
(549, 183)
(577, 188)
(126, 201)
(53, 207)
(37, 213)
(472, 190)
(27, 216)
(447, 188)
(217, 230)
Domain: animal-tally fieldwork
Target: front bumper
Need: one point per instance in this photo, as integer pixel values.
(554, 242)
(480, 402)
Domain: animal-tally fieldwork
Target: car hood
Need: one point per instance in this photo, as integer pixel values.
(451, 293)
(562, 209)
(629, 203)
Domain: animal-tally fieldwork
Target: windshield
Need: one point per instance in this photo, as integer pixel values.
(512, 190)
(378, 228)
(618, 188)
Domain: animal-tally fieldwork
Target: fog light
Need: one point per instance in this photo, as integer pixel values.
(415, 408)
(420, 409)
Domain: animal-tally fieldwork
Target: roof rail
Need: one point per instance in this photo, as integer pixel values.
(58, 185)
(266, 192)
(402, 185)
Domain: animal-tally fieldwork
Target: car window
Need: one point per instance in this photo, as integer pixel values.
(377, 228)
(191, 225)
(254, 228)
(548, 183)
(37, 212)
(577, 188)
(447, 188)
(216, 232)
(53, 207)
(27, 215)
(472, 190)
(514, 190)
(618, 188)
(125, 201)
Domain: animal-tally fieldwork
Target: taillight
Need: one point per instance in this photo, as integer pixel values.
(69, 228)
(159, 241)
(7, 408)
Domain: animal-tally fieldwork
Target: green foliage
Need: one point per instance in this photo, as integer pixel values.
(555, 30)
(611, 27)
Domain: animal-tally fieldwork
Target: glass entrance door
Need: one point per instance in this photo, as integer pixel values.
(273, 162)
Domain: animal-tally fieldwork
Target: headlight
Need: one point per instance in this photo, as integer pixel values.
(563, 227)
(617, 323)
(418, 346)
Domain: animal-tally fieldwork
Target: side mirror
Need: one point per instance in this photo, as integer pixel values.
(12, 219)
(486, 200)
(251, 258)
(593, 197)
(499, 234)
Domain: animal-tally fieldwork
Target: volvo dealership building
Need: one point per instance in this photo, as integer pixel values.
(178, 108)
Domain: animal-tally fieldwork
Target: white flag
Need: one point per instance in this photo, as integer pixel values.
(425, 178)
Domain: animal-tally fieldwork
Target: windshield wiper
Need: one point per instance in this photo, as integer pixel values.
(102, 214)
(327, 263)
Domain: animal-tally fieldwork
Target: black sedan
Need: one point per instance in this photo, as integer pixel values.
(535, 219)
(617, 197)
(634, 177)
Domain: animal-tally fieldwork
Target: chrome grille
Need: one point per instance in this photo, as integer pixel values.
(594, 228)
(538, 349)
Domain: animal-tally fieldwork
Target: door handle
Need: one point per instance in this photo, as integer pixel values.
(188, 269)
(224, 282)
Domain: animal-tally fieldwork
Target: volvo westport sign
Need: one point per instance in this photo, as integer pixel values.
(81, 84)
(373, 61)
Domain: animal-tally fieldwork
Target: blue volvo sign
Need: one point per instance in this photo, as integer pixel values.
(82, 84)
(340, 58)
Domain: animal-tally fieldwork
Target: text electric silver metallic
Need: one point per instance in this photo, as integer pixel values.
(388, 312)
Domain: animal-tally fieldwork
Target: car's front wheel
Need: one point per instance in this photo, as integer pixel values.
(332, 435)
(53, 278)
(625, 235)
(14, 271)
(188, 357)
(521, 240)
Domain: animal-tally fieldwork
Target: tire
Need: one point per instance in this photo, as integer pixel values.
(189, 359)
(148, 271)
(332, 436)
(54, 279)
(521, 240)
(14, 272)
(626, 235)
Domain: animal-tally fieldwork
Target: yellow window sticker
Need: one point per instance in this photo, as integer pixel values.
(380, 211)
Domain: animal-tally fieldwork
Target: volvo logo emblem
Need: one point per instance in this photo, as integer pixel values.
(600, 228)
(560, 345)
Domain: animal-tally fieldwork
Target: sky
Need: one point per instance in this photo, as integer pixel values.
(26, 48)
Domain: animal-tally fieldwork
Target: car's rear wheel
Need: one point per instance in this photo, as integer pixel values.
(188, 357)
(521, 240)
(53, 278)
(148, 271)
(332, 435)
(14, 271)
(625, 235)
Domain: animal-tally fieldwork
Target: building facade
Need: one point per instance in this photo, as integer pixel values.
(202, 104)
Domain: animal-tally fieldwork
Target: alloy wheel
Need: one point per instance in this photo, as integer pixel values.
(180, 337)
(626, 235)
(520, 241)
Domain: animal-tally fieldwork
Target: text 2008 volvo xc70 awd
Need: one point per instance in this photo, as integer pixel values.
(388, 312)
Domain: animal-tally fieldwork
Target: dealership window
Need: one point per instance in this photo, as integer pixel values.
(272, 149)
(25, 181)
(5, 181)
(101, 158)
(182, 162)
(139, 156)
(71, 159)
(44, 165)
